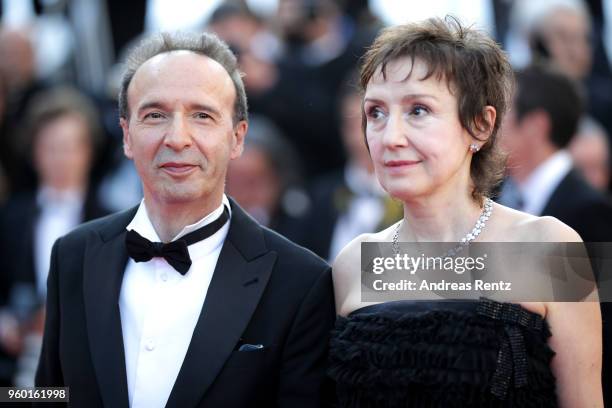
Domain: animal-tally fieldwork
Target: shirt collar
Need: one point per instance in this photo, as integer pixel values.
(141, 222)
(539, 186)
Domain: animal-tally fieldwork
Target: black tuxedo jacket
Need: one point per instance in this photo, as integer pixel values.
(265, 290)
(583, 208)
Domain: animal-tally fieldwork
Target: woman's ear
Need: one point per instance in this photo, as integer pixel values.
(485, 123)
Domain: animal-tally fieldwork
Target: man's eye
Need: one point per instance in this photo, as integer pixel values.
(153, 115)
(201, 115)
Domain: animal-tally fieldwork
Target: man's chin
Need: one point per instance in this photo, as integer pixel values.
(183, 196)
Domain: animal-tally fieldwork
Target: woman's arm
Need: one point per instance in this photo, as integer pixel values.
(576, 339)
(576, 336)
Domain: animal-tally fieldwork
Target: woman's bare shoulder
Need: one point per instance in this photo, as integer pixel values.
(549, 229)
(351, 254)
(518, 226)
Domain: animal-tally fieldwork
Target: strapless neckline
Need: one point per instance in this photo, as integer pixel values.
(417, 305)
(445, 304)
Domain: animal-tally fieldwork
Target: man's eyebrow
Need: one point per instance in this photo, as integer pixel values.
(151, 105)
(205, 108)
(192, 107)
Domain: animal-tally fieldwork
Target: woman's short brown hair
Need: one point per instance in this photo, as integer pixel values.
(476, 71)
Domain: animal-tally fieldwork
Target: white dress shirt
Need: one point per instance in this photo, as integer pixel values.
(160, 308)
(537, 189)
(60, 213)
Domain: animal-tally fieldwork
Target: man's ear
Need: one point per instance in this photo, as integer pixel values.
(127, 142)
(240, 131)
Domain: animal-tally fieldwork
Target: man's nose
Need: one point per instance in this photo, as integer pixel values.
(178, 136)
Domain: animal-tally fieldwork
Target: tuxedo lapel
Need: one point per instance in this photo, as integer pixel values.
(240, 277)
(104, 264)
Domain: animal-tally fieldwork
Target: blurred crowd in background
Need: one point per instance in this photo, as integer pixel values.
(305, 171)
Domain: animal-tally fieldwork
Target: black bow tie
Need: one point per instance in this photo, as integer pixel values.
(175, 253)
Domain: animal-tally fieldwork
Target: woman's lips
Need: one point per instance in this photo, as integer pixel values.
(398, 166)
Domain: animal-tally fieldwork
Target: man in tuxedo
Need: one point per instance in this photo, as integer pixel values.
(185, 301)
(543, 180)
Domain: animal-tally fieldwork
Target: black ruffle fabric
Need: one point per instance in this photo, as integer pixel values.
(443, 357)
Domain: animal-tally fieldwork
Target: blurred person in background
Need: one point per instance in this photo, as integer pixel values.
(17, 60)
(242, 29)
(349, 202)
(563, 34)
(265, 179)
(3, 145)
(295, 64)
(61, 133)
(17, 67)
(590, 151)
(322, 45)
(255, 45)
(543, 179)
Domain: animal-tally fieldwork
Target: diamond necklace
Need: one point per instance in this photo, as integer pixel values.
(467, 239)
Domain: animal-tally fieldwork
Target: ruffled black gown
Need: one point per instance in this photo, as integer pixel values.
(442, 354)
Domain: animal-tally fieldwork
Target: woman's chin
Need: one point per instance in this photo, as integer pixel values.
(404, 191)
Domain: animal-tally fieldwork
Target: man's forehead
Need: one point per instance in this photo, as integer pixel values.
(186, 69)
(174, 61)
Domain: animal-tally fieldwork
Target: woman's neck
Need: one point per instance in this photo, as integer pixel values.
(440, 218)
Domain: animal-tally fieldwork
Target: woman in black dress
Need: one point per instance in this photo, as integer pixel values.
(434, 97)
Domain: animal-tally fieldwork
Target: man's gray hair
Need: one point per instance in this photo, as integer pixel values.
(206, 44)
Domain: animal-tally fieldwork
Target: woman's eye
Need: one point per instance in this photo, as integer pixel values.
(375, 113)
(419, 111)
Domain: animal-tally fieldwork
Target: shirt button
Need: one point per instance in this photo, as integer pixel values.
(150, 346)
(164, 276)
